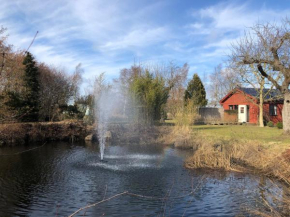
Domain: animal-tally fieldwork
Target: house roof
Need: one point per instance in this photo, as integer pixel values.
(270, 94)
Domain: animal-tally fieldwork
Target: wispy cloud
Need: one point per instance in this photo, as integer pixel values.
(139, 38)
(218, 26)
(107, 35)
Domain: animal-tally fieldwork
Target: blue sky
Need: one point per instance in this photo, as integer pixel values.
(108, 35)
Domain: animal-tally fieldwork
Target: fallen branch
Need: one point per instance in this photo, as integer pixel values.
(94, 204)
(166, 197)
(23, 151)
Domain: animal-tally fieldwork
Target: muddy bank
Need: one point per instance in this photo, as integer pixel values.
(22, 133)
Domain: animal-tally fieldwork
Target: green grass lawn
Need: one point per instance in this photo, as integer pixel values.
(266, 134)
(271, 137)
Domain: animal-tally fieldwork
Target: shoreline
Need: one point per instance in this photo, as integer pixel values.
(233, 154)
(12, 134)
(227, 148)
(239, 155)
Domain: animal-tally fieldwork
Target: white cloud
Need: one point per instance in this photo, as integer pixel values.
(62, 25)
(238, 17)
(228, 16)
(219, 26)
(107, 35)
(139, 38)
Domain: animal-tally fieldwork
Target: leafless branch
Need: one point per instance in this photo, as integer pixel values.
(95, 204)
(193, 190)
(31, 42)
(23, 151)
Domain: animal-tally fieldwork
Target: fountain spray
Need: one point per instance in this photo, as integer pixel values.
(113, 105)
(105, 109)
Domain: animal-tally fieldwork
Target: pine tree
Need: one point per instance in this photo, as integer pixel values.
(195, 91)
(32, 87)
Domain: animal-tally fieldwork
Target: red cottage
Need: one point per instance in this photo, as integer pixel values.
(241, 105)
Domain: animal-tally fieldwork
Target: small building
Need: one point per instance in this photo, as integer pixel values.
(241, 105)
(210, 115)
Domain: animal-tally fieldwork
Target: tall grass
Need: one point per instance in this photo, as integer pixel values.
(182, 135)
(238, 154)
(246, 156)
(186, 115)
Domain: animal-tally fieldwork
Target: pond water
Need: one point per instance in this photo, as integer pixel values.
(58, 178)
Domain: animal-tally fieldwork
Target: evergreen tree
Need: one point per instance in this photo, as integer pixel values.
(195, 91)
(32, 88)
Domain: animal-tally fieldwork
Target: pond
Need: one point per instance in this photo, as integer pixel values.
(59, 178)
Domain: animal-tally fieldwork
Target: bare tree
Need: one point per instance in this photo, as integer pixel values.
(222, 82)
(268, 45)
(100, 84)
(76, 80)
(11, 74)
(56, 89)
(176, 80)
(249, 75)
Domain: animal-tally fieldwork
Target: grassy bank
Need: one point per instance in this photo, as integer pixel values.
(235, 147)
(267, 135)
(22, 133)
(264, 151)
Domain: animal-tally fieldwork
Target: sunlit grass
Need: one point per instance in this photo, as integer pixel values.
(270, 137)
(266, 134)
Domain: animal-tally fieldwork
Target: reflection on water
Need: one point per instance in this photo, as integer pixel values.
(59, 178)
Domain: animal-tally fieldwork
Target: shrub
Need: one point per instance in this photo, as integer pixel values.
(270, 124)
(279, 125)
(231, 112)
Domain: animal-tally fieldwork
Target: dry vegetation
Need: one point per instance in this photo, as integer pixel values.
(232, 148)
(239, 148)
(243, 155)
(21, 133)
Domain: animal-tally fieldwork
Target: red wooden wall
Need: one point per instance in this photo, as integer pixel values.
(275, 119)
(239, 98)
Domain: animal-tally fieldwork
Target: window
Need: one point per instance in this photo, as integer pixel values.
(273, 109)
(242, 110)
(233, 107)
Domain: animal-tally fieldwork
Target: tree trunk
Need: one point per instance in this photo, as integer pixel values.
(261, 112)
(286, 113)
(261, 119)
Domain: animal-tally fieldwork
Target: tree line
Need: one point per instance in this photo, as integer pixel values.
(151, 91)
(35, 91)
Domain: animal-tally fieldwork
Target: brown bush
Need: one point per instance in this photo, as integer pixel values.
(20, 133)
(240, 155)
(13, 133)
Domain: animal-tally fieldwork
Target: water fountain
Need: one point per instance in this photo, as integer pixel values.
(106, 105)
(111, 107)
